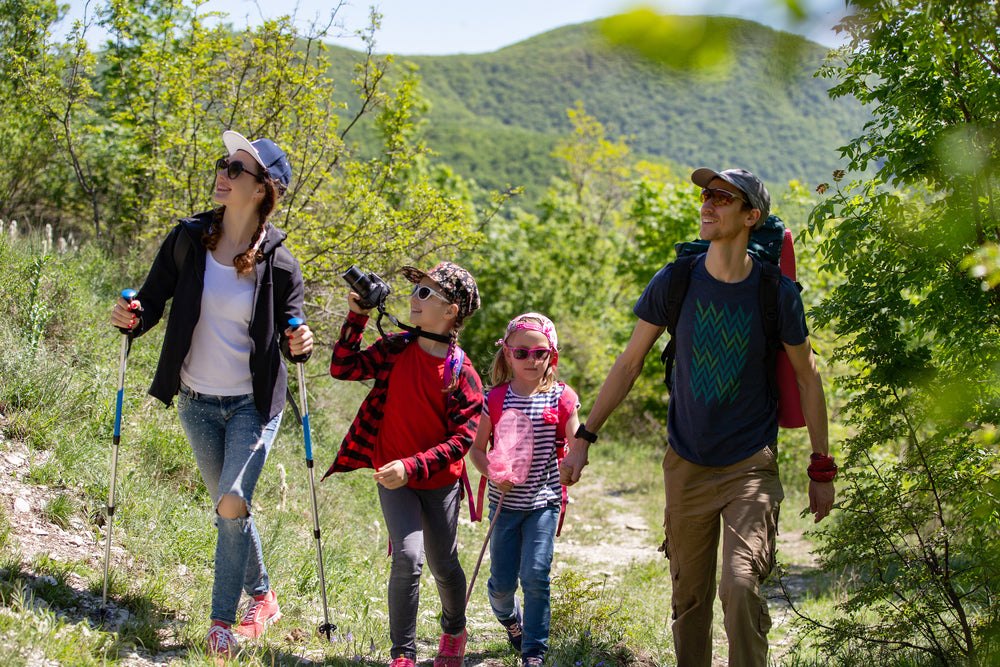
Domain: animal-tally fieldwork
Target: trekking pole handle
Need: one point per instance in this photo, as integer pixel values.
(128, 294)
(295, 323)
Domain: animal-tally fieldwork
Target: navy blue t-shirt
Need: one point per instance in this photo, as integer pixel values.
(720, 411)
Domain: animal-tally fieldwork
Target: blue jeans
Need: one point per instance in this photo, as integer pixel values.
(419, 521)
(521, 548)
(230, 444)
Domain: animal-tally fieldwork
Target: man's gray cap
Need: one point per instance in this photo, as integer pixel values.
(757, 195)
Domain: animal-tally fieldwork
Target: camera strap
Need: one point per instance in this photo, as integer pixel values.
(416, 331)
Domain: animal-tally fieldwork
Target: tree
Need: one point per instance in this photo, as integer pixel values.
(140, 124)
(918, 519)
(44, 89)
(564, 261)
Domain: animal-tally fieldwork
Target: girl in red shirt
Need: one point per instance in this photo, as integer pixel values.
(414, 428)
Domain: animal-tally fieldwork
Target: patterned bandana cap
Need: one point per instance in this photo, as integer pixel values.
(543, 325)
(456, 283)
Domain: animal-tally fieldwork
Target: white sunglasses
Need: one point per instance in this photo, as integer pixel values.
(423, 292)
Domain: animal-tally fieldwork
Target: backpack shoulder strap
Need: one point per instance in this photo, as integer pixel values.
(567, 404)
(680, 279)
(454, 365)
(182, 246)
(494, 406)
(770, 284)
(494, 402)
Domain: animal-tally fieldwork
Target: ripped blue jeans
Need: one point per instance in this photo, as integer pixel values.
(230, 443)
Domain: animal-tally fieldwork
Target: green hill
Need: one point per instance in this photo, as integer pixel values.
(495, 117)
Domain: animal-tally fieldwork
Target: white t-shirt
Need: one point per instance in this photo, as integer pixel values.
(218, 361)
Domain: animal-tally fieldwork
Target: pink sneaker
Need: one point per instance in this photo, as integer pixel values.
(220, 640)
(451, 650)
(402, 661)
(263, 612)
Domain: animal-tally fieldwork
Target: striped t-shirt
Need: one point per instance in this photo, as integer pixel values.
(542, 486)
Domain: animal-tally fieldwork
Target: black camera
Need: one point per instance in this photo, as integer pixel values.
(371, 289)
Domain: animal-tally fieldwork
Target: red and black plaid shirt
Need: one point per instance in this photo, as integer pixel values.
(463, 406)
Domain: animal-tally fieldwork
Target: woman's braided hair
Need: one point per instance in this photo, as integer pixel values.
(244, 262)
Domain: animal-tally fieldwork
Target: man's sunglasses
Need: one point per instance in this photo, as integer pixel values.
(233, 168)
(719, 197)
(522, 353)
(423, 292)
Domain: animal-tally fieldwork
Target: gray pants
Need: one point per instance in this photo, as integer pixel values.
(419, 521)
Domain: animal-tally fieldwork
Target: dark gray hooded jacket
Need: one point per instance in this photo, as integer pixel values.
(178, 273)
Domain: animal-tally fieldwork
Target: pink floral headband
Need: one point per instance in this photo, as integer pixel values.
(543, 325)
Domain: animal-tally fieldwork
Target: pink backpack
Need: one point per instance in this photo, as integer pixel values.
(567, 404)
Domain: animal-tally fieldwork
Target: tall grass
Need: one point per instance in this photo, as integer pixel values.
(58, 375)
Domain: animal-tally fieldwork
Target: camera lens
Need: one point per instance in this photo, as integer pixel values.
(358, 281)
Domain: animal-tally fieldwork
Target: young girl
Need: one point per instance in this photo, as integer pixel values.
(234, 287)
(414, 429)
(524, 534)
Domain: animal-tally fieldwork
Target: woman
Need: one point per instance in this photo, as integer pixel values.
(234, 288)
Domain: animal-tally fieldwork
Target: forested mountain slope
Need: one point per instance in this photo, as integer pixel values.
(496, 116)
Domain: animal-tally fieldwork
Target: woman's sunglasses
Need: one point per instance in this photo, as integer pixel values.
(423, 292)
(522, 353)
(719, 197)
(233, 168)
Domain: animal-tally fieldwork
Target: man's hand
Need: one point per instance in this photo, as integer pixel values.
(820, 498)
(572, 465)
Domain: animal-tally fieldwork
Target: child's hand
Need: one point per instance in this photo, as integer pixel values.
(392, 475)
(505, 486)
(352, 303)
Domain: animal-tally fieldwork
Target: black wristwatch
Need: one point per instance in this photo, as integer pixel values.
(584, 434)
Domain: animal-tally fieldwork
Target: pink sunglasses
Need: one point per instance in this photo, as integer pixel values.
(522, 353)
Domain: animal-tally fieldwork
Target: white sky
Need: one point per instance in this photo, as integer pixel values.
(439, 27)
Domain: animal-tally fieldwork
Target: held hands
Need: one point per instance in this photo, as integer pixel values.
(572, 465)
(123, 314)
(392, 475)
(300, 340)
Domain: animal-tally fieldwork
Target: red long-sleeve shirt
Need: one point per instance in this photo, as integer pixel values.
(462, 407)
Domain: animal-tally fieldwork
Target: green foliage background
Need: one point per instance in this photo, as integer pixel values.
(586, 147)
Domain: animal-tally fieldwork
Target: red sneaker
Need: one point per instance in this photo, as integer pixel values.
(402, 661)
(451, 650)
(220, 640)
(263, 612)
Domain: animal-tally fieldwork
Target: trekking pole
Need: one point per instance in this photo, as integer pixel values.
(327, 627)
(128, 295)
(482, 552)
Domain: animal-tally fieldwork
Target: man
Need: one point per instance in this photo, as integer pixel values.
(721, 460)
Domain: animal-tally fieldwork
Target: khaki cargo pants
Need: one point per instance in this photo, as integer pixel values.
(743, 497)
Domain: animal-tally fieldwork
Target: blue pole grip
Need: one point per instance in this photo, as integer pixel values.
(118, 413)
(307, 433)
(128, 294)
(295, 322)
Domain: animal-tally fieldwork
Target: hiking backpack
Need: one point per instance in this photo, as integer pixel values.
(567, 405)
(771, 245)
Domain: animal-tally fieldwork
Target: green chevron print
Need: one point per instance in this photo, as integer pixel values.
(719, 352)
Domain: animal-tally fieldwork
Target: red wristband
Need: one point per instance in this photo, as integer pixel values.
(821, 468)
